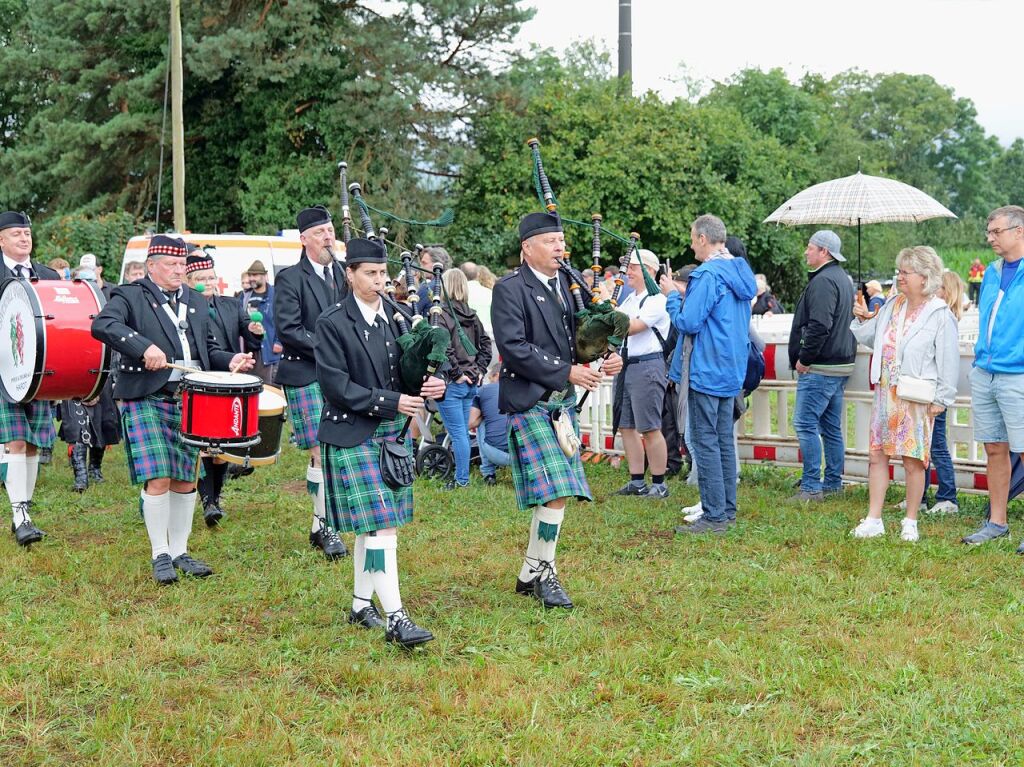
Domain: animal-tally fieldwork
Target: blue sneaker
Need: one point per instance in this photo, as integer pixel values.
(987, 532)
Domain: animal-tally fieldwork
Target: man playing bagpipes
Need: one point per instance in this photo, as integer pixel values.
(302, 293)
(151, 322)
(365, 408)
(535, 331)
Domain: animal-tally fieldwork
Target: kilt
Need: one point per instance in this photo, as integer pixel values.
(152, 441)
(28, 421)
(304, 406)
(540, 470)
(358, 501)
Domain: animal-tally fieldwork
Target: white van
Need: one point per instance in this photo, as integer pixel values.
(232, 254)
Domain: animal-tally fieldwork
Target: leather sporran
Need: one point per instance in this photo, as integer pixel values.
(565, 433)
(396, 466)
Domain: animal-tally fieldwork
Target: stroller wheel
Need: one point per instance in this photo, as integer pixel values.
(435, 462)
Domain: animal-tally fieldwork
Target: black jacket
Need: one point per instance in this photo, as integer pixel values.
(820, 334)
(231, 322)
(133, 319)
(300, 297)
(535, 351)
(353, 364)
(459, 361)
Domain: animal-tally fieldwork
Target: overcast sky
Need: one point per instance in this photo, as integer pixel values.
(972, 46)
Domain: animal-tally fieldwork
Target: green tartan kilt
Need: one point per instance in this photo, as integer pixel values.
(28, 421)
(153, 443)
(540, 470)
(304, 406)
(358, 501)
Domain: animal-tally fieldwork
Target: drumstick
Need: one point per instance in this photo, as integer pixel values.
(183, 368)
(237, 366)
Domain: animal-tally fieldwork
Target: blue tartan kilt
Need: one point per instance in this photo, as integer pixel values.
(304, 406)
(358, 501)
(28, 421)
(540, 470)
(153, 443)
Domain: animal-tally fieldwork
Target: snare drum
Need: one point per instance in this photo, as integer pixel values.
(272, 418)
(220, 409)
(47, 351)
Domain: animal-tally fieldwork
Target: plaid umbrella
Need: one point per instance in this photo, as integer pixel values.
(856, 200)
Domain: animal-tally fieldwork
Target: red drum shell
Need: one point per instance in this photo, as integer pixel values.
(220, 409)
(53, 318)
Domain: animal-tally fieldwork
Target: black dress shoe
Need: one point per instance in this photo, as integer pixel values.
(26, 533)
(550, 593)
(525, 588)
(404, 632)
(193, 567)
(368, 617)
(95, 474)
(490, 479)
(329, 543)
(212, 513)
(163, 570)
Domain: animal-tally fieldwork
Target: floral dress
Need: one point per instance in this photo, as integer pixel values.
(899, 427)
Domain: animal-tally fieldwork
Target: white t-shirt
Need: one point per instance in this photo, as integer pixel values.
(652, 313)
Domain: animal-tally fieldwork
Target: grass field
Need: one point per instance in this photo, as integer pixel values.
(784, 642)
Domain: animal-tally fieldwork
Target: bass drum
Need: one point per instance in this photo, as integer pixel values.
(272, 404)
(47, 351)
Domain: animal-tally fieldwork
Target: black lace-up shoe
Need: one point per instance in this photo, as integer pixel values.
(368, 617)
(404, 632)
(329, 543)
(26, 533)
(548, 590)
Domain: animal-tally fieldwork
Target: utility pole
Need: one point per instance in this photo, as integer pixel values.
(177, 121)
(625, 46)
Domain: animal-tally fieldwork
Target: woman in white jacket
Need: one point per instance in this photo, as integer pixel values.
(913, 336)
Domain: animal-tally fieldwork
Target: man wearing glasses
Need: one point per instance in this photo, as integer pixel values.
(997, 380)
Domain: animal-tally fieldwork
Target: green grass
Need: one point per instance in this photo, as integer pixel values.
(785, 642)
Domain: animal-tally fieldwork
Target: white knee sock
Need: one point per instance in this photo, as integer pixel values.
(15, 483)
(381, 559)
(315, 487)
(156, 510)
(529, 569)
(549, 523)
(362, 589)
(179, 528)
(31, 475)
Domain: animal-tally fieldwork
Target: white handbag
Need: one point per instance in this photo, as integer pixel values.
(919, 390)
(565, 433)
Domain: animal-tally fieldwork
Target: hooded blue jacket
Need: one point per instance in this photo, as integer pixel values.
(717, 313)
(1005, 352)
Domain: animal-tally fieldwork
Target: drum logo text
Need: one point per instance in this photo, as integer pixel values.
(236, 416)
(17, 339)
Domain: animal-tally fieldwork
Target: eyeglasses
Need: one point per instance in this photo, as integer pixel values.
(997, 232)
(903, 273)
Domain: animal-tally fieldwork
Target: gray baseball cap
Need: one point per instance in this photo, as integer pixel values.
(829, 240)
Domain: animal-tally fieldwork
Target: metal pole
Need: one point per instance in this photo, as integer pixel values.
(177, 121)
(626, 45)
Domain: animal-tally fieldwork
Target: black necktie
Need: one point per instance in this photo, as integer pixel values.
(553, 284)
(172, 299)
(329, 282)
(21, 272)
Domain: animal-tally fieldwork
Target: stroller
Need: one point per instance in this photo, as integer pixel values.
(434, 456)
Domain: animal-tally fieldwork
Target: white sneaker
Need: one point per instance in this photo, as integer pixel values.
(693, 513)
(902, 506)
(869, 527)
(943, 507)
(909, 531)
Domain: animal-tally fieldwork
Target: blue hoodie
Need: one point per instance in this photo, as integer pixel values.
(1005, 352)
(717, 313)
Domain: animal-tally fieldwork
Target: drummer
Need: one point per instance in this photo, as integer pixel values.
(152, 322)
(236, 333)
(302, 293)
(357, 366)
(25, 428)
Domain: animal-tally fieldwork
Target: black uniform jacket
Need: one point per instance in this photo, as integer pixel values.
(230, 321)
(134, 318)
(300, 297)
(353, 362)
(535, 352)
(42, 272)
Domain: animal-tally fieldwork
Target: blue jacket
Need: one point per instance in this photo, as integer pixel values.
(717, 313)
(267, 354)
(1005, 353)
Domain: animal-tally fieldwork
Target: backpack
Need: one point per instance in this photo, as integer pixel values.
(755, 369)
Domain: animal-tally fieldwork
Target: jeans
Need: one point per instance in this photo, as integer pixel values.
(943, 463)
(490, 456)
(712, 437)
(454, 410)
(817, 421)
